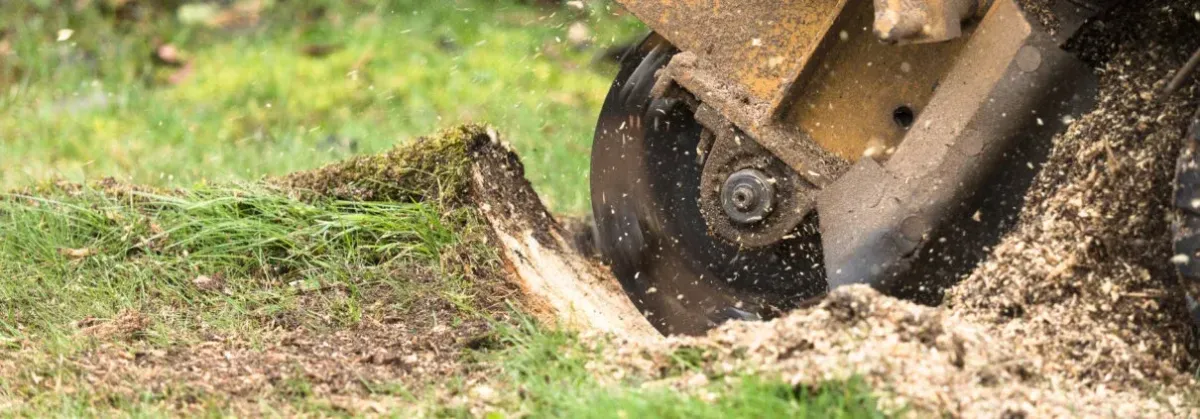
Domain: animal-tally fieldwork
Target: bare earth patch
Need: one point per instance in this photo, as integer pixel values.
(346, 365)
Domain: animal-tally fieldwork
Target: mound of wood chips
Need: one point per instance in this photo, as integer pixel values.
(1086, 279)
(920, 360)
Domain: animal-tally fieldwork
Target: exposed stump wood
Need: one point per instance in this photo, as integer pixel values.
(560, 285)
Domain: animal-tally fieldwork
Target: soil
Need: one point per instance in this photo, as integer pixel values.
(356, 370)
(346, 365)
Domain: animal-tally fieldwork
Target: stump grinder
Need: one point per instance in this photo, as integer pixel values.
(754, 154)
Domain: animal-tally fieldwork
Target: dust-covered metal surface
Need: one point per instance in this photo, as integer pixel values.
(863, 95)
(792, 198)
(1011, 86)
(756, 46)
(830, 83)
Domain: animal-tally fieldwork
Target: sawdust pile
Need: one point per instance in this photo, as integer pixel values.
(1076, 312)
(919, 358)
(1085, 280)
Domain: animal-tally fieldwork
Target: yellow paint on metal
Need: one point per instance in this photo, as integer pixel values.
(762, 45)
(847, 104)
(812, 64)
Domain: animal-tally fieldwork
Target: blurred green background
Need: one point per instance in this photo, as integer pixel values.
(174, 93)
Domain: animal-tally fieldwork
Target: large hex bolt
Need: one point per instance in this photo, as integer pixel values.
(747, 196)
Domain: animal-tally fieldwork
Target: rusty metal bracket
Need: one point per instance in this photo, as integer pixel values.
(683, 78)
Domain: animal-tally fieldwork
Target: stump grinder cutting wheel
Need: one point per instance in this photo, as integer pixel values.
(752, 155)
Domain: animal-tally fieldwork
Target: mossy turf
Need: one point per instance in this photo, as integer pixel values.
(433, 169)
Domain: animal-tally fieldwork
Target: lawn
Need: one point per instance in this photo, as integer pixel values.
(268, 89)
(167, 246)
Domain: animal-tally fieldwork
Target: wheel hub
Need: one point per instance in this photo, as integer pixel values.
(748, 196)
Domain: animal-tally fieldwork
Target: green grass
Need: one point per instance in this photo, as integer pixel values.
(95, 105)
(287, 259)
(145, 249)
(70, 252)
(551, 369)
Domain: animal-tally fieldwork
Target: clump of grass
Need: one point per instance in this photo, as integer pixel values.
(433, 169)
